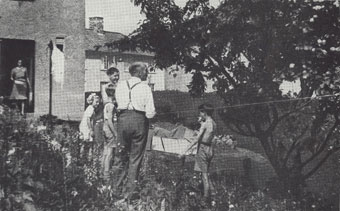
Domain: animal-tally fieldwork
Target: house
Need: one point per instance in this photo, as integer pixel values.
(29, 29)
(62, 57)
(65, 61)
(99, 58)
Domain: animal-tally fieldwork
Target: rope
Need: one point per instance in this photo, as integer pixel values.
(257, 103)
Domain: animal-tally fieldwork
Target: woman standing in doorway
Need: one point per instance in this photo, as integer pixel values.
(21, 85)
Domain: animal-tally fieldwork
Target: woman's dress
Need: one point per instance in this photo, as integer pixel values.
(20, 86)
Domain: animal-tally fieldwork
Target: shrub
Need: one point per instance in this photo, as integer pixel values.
(41, 169)
(166, 112)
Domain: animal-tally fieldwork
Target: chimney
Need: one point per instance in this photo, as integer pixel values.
(97, 24)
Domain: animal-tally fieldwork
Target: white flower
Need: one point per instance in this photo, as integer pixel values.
(313, 206)
(41, 128)
(231, 206)
(311, 20)
(11, 152)
(55, 145)
(291, 65)
(335, 49)
(74, 193)
(318, 7)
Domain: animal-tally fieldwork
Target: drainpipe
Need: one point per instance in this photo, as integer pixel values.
(50, 47)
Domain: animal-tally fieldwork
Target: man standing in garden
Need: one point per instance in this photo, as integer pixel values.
(135, 108)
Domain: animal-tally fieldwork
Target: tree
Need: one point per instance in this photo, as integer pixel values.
(250, 47)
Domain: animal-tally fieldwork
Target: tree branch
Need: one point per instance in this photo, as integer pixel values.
(323, 146)
(222, 69)
(278, 119)
(322, 161)
(241, 131)
(291, 148)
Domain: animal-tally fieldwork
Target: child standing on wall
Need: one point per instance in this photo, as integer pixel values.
(204, 149)
(86, 125)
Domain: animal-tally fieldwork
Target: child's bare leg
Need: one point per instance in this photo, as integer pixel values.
(206, 185)
(22, 107)
(107, 162)
(211, 186)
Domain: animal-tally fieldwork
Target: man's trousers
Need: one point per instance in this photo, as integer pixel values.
(132, 135)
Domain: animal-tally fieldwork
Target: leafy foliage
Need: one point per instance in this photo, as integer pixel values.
(250, 48)
(42, 169)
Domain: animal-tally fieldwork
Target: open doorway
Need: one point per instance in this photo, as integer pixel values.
(11, 50)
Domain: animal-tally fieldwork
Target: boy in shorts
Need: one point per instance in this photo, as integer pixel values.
(110, 132)
(204, 149)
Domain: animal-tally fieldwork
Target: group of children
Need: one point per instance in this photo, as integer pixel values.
(98, 127)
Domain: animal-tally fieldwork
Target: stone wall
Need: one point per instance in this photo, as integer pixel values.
(43, 21)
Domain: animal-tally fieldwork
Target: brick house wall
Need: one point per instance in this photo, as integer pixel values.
(43, 21)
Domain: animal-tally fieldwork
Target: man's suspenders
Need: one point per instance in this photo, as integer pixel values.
(130, 89)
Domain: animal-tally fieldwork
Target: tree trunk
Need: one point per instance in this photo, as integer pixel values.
(291, 180)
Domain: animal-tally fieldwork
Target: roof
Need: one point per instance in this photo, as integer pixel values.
(97, 42)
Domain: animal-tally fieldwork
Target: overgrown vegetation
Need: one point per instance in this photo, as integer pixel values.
(41, 169)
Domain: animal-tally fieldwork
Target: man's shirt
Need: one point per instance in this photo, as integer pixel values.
(141, 97)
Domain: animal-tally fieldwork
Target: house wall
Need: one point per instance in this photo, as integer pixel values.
(42, 21)
(94, 73)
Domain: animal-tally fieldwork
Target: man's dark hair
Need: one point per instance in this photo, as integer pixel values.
(112, 70)
(206, 108)
(134, 68)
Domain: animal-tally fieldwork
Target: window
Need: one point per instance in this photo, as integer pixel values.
(60, 43)
(151, 68)
(105, 63)
(114, 63)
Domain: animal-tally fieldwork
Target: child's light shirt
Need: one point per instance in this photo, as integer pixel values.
(108, 115)
(83, 127)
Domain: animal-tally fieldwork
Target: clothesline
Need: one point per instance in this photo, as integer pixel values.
(257, 103)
